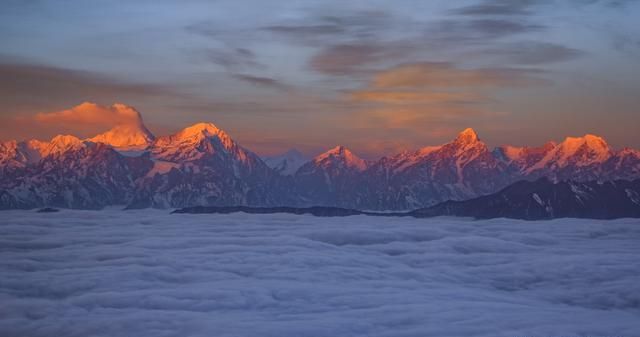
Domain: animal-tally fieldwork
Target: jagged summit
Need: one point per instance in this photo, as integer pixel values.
(195, 134)
(200, 129)
(592, 141)
(194, 141)
(338, 150)
(576, 151)
(467, 135)
(198, 132)
(627, 151)
(342, 155)
(60, 144)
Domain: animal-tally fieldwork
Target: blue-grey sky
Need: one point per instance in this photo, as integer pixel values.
(376, 76)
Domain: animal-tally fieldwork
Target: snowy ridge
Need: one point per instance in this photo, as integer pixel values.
(203, 165)
(577, 151)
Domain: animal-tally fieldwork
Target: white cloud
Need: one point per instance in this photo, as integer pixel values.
(147, 273)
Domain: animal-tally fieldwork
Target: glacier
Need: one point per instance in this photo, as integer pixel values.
(150, 273)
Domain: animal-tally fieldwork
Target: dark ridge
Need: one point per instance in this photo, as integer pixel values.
(316, 211)
(48, 210)
(526, 200)
(543, 200)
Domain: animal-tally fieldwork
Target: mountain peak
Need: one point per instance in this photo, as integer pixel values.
(592, 142)
(287, 163)
(200, 129)
(342, 154)
(467, 135)
(579, 151)
(194, 141)
(62, 143)
(65, 140)
(339, 150)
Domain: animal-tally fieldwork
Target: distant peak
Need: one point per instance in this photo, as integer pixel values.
(592, 141)
(340, 149)
(468, 135)
(65, 139)
(588, 136)
(579, 151)
(61, 143)
(200, 128)
(343, 154)
(592, 136)
(197, 133)
(626, 152)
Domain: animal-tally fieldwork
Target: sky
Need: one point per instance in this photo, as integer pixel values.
(376, 76)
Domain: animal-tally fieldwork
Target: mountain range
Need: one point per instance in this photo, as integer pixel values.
(203, 165)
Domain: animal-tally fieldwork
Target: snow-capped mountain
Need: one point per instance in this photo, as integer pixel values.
(74, 174)
(15, 155)
(460, 169)
(330, 178)
(625, 164)
(578, 158)
(287, 163)
(203, 165)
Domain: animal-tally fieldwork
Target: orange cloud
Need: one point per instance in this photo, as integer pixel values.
(413, 97)
(427, 96)
(445, 75)
(84, 120)
(91, 114)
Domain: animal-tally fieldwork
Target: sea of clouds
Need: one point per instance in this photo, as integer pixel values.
(150, 273)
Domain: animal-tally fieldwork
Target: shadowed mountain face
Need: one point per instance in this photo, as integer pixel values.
(543, 199)
(287, 163)
(527, 200)
(202, 165)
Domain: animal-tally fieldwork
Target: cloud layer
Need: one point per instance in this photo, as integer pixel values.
(148, 273)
